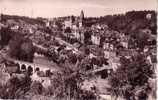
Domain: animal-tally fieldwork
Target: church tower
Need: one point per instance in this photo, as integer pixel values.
(81, 19)
(82, 15)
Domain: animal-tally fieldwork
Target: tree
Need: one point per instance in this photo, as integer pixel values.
(87, 37)
(67, 83)
(72, 58)
(15, 88)
(21, 48)
(130, 76)
(14, 45)
(5, 34)
(27, 50)
(142, 38)
(36, 88)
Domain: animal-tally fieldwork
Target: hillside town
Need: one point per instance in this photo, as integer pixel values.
(111, 57)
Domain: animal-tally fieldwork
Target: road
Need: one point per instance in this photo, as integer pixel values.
(67, 44)
(61, 42)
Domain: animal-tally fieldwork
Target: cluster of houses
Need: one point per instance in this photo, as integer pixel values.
(114, 44)
(98, 34)
(111, 41)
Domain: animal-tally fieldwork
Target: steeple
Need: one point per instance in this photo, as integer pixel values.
(81, 19)
(82, 15)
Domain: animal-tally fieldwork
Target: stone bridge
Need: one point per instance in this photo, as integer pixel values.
(35, 67)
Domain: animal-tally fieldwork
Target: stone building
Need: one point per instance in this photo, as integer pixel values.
(76, 26)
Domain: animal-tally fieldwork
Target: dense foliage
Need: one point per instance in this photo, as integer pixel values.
(15, 88)
(21, 48)
(130, 77)
(129, 21)
(5, 34)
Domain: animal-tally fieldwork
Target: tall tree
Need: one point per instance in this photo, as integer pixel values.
(27, 51)
(5, 34)
(14, 45)
(21, 48)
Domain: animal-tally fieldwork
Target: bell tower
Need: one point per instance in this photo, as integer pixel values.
(81, 19)
(82, 15)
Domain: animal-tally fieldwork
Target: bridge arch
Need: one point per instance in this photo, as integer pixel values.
(32, 68)
(37, 69)
(23, 67)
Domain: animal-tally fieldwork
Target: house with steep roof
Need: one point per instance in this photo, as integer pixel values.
(95, 38)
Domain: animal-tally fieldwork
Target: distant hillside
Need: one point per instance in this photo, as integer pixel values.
(28, 20)
(129, 21)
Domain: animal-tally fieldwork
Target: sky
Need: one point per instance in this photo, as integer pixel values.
(57, 8)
